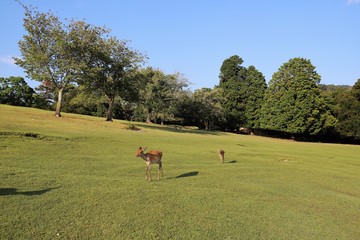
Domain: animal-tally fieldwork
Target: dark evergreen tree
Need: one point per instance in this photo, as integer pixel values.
(232, 81)
(243, 91)
(256, 86)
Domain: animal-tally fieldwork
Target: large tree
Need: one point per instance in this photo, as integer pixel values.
(46, 52)
(111, 68)
(159, 92)
(232, 81)
(293, 102)
(243, 91)
(256, 87)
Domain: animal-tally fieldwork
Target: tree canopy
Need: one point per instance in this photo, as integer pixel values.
(112, 70)
(232, 81)
(348, 112)
(15, 91)
(243, 91)
(46, 51)
(293, 102)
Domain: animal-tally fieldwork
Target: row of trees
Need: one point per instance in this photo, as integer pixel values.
(90, 72)
(293, 107)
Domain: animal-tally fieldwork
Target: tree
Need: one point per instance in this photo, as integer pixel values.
(243, 91)
(15, 91)
(78, 100)
(256, 87)
(186, 109)
(159, 93)
(348, 113)
(201, 108)
(43, 53)
(232, 81)
(293, 102)
(111, 68)
(209, 114)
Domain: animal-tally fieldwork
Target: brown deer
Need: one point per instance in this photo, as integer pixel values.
(221, 155)
(151, 157)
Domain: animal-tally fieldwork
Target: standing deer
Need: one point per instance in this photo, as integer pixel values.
(221, 155)
(151, 157)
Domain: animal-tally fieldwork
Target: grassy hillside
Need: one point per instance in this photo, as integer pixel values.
(77, 177)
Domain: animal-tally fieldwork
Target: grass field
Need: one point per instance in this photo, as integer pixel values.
(77, 177)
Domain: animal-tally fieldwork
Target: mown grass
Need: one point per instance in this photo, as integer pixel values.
(77, 177)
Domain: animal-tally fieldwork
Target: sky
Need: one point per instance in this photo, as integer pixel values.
(194, 37)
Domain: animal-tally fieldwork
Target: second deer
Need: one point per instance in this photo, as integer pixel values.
(221, 155)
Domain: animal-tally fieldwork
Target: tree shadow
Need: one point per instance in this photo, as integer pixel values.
(189, 174)
(14, 191)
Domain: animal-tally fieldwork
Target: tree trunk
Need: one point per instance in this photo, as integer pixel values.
(148, 117)
(58, 104)
(109, 113)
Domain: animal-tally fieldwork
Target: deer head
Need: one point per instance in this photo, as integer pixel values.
(140, 151)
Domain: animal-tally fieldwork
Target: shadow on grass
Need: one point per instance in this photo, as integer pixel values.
(178, 129)
(189, 174)
(14, 191)
(233, 161)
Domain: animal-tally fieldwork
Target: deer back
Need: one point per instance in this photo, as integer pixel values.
(154, 155)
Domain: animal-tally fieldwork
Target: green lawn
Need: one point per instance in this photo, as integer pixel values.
(77, 177)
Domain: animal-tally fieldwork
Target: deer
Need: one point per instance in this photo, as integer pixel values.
(151, 157)
(221, 155)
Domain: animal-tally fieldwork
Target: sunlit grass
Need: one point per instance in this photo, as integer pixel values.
(77, 177)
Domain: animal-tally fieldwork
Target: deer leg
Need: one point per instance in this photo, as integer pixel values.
(160, 170)
(148, 172)
(221, 158)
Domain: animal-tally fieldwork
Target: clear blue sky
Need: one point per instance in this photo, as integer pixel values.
(194, 37)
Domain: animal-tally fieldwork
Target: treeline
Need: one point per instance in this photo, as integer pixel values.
(282, 109)
(83, 69)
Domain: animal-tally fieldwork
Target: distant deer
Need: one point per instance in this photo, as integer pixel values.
(151, 157)
(221, 155)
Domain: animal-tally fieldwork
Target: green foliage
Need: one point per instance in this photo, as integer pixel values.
(256, 86)
(232, 81)
(15, 91)
(95, 189)
(209, 110)
(46, 54)
(355, 91)
(201, 109)
(243, 91)
(80, 101)
(293, 102)
(111, 69)
(348, 112)
(159, 93)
